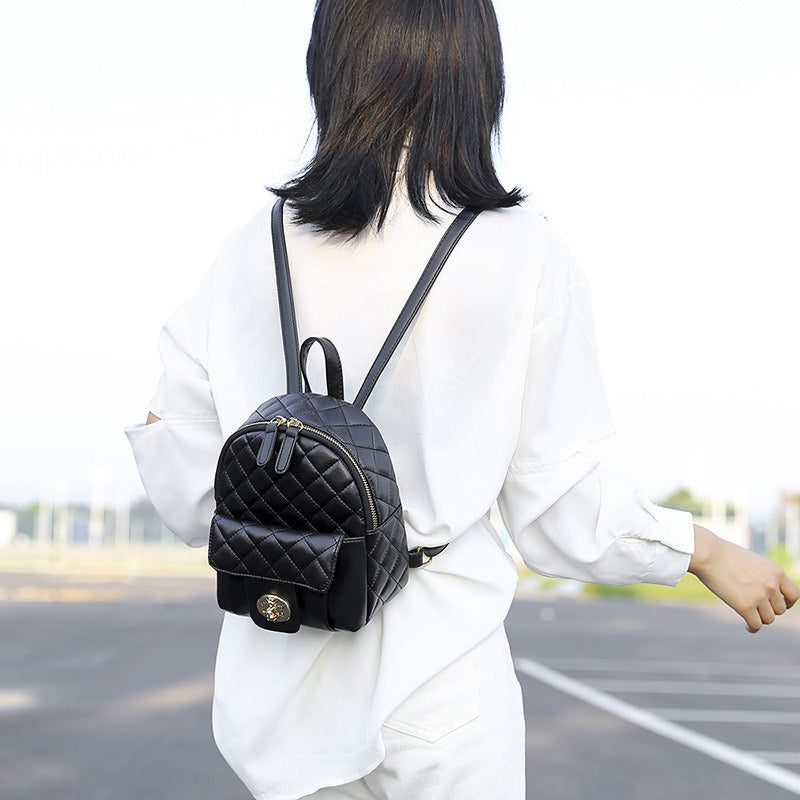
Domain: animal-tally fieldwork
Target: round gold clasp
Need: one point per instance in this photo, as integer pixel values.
(274, 608)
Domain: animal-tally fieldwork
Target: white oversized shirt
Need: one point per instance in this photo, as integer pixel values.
(494, 394)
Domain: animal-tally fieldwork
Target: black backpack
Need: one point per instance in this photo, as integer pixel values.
(308, 527)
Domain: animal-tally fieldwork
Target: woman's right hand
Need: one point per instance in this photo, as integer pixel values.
(753, 586)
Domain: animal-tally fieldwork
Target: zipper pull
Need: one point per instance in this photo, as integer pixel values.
(293, 427)
(268, 443)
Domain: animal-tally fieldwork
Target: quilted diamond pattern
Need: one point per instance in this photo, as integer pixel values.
(317, 493)
(289, 526)
(305, 558)
(353, 427)
(387, 561)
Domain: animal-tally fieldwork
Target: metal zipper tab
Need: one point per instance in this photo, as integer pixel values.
(293, 427)
(267, 444)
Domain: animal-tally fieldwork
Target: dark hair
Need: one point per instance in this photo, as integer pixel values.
(384, 74)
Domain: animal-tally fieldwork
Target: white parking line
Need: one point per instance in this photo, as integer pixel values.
(696, 687)
(777, 757)
(724, 715)
(744, 761)
(11, 700)
(672, 667)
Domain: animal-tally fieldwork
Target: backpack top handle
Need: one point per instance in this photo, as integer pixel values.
(291, 347)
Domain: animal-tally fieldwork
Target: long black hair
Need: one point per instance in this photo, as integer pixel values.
(417, 84)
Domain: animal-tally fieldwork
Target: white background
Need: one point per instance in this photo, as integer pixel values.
(660, 139)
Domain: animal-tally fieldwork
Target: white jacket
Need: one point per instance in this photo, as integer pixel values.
(495, 393)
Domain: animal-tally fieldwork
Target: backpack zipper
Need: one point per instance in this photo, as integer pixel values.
(338, 445)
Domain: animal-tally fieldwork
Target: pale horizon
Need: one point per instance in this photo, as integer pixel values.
(661, 142)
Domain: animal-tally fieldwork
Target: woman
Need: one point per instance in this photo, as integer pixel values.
(495, 394)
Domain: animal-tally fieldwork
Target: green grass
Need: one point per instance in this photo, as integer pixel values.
(689, 589)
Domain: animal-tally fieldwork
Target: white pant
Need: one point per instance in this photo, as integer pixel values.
(460, 736)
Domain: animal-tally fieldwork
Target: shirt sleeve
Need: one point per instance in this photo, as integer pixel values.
(567, 515)
(176, 456)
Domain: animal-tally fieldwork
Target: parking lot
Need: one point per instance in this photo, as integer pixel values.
(105, 691)
(641, 700)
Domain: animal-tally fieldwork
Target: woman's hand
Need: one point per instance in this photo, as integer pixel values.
(753, 586)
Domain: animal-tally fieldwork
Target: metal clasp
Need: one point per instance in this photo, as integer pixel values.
(274, 608)
(424, 563)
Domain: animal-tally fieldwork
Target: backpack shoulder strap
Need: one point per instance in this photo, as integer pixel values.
(440, 255)
(291, 346)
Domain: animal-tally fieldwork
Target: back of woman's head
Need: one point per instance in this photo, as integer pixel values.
(417, 83)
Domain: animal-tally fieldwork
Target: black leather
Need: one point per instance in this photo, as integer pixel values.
(298, 526)
(318, 493)
(333, 365)
(308, 517)
(303, 558)
(423, 286)
(420, 556)
(291, 345)
(440, 255)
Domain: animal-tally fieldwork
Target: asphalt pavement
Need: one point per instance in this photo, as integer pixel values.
(643, 701)
(105, 692)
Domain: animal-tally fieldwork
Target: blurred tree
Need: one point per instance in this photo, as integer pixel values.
(683, 499)
(781, 556)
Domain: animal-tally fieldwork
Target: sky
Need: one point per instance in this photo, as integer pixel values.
(660, 140)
